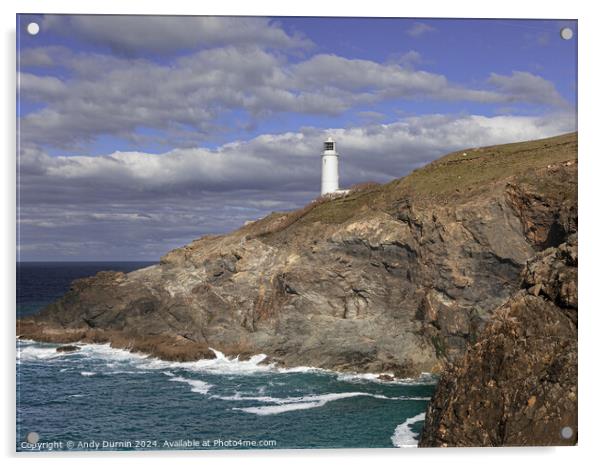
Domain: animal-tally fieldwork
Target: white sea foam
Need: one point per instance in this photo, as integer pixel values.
(310, 398)
(33, 353)
(107, 353)
(358, 377)
(294, 403)
(277, 409)
(87, 374)
(115, 358)
(197, 386)
(221, 364)
(403, 437)
(240, 397)
(425, 378)
(303, 370)
(302, 402)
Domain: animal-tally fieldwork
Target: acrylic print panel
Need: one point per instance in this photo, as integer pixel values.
(258, 233)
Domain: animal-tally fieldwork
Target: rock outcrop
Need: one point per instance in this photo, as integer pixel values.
(397, 278)
(517, 385)
(67, 349)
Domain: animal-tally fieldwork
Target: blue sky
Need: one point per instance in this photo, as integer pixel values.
(140, 134)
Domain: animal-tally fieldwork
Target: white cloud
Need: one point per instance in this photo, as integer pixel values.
(44, 56)
(407, 59)
(525, 86)
(280, 160)
(186, 100)
(136, 205)
(326, 71)
(134, 34)
(41, 88)
(418, 29)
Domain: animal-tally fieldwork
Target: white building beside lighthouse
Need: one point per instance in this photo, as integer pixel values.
(330, 167)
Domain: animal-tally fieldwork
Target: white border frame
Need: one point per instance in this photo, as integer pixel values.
(589, 199)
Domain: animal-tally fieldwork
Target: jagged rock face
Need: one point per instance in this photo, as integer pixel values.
(399, 283)
(517, 385)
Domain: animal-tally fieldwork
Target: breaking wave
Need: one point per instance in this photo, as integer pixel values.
(33, 352)
(281, 405)
(404, 437)
(221, 364)
(197, 386)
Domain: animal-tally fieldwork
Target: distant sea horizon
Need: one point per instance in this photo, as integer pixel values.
(41, 282)
(87, 261)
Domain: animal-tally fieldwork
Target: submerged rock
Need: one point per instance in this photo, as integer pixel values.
(397, 278)
(67, 349)
(517, 385)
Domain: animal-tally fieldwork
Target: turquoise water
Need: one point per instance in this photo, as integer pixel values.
(107, 399)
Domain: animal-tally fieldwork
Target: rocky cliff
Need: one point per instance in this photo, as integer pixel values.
(517, 385)
(397, 278)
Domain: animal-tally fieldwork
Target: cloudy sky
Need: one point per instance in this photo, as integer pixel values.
(138, 134)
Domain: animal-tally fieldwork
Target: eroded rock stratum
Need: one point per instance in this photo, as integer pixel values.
(517, 385)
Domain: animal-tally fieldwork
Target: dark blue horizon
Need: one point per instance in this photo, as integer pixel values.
(39, 283)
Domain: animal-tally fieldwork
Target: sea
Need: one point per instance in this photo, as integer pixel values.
(103, 399)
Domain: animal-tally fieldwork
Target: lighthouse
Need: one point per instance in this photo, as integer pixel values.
(330, 167)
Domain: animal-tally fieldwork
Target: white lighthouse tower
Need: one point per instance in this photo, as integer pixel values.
(330, 167)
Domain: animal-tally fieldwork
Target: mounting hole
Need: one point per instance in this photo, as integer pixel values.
(33, 437)
(566, 432)
(566, 33)
(33, 29)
